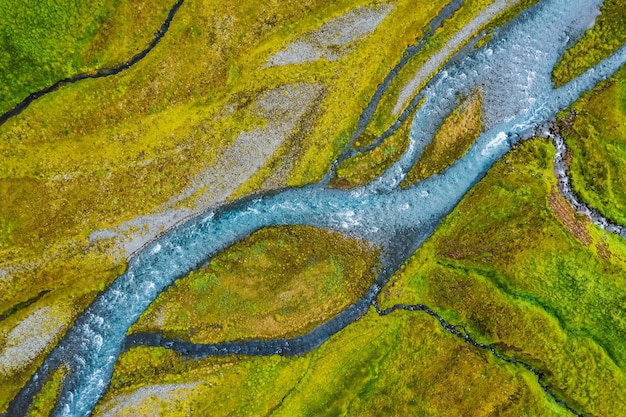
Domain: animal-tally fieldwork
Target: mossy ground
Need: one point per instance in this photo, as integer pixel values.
(279, 282)
(401, 364)
(509, 268)
(365, 166)
(596, 138)
(43, 403)
(99, 152)
(452, 140)
(505, 264)
(103, 151)
(454, 137)
(46, 41)
(595, 133)
(384, 117)
(599, 42)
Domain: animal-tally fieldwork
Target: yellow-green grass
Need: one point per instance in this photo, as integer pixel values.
(458, 131)
(401, 364)
(126, 31)
(519, 269)
(599, 42)
(281, 281)
(383, 117)
(353, 82)
(46, 41)
(364, 167)
(103, 151)
(596, 138)
(44, 401)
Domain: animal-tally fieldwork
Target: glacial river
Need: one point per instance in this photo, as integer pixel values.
(512, 72)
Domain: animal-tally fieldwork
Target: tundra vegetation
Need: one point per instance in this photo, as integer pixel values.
(513, 263)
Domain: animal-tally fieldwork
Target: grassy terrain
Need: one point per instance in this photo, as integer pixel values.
(383, 116)
(452, 140)
(357, 372)
(364, 167)
(43, 403)
(102, 151)
(599, 42)
(511, 263)
(518, 268)
(46, 41)
(280, 281)
(98, 152)
(596, 137)
(84, 276)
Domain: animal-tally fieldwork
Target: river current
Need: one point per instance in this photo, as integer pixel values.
(513, 74)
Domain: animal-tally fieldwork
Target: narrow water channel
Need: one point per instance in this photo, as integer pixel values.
(100, 73)
(512, 72)
(561, 170)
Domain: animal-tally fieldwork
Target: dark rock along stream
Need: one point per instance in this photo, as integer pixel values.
(512, 72)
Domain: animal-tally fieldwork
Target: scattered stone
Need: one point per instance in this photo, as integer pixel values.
(333, 39)
(283, 108)
(147, 401)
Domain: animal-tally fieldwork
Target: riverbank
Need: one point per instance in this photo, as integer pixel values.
(400, 220)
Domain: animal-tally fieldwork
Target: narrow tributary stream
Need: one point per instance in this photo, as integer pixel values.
(561, 169)
(512, 72)
(100, 73)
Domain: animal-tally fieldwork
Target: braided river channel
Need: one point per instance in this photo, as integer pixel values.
(512, 72)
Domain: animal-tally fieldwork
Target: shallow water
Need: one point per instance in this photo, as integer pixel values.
(561, 170)
(512, 72)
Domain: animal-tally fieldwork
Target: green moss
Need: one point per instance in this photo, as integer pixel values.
(280, 281)
(44, 401)
(597, 143)
(383, 117)
(599, 42)
(402, 364)
(44, 42)
(364, 167)
(452, 140)
(352, 86)
(506, 265)
(103, 151)
(99, 152)
(40, 43)
(125, 32)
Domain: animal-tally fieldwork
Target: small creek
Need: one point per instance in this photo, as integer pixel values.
(561, 170)
(103, 72)
(512, 72)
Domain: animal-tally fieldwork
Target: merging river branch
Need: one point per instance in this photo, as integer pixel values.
(368, 113)
(103, 72)
(561, 170)
(513, 74)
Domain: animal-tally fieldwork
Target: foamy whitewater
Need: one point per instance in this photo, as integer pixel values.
(512, 72)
